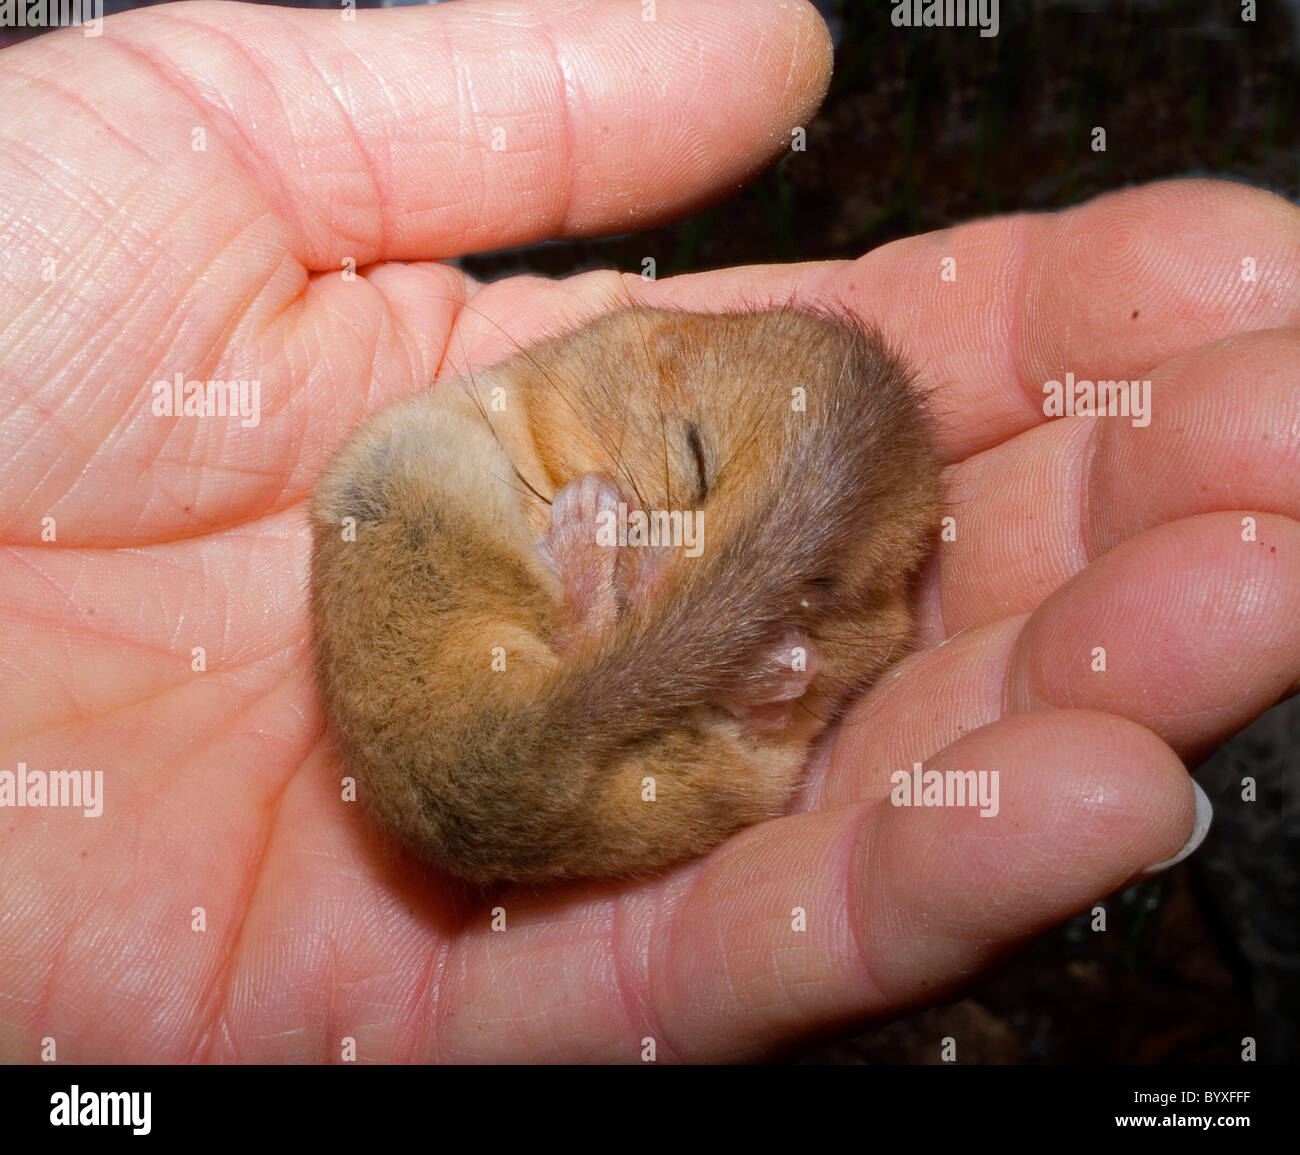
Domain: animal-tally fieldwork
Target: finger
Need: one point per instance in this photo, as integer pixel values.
(901, 904)
(926, 702)
(434, 131)
(1037, 296)
(1227, 436)
(896, 905)
(1187, 629)
(1191, 629)
(1031, 513)
(1106, 290)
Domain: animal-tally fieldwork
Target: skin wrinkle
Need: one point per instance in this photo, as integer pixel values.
(451, 974)
(289, 495)
(176, 536)
(154, 696)
(31, 612)
(83, 204)
(1091, 448)
(322, 964)
(138, 245)
(376, 346)
(929, 588)
(366, 160)
(194, 749)
(672, 934)
(318, 293)
(91, 111)
(1113, 441)
(394, 110)
(786, 85)
(790, 1000)
(1082, 449)
(44, 1006)
(118, 966)
(382, 327)
(565, 165)
(467, 115)
(49, 470)
(276, 503)
(727, 961)
(128, 408)
(18, 341)
(661, 940)
(203, 367)
(419, 370)
(431, 1005)
(1010, 649)
(1175, 598)
(296, 304)
(405, 340)
(629, 988)
(1021, 301)
(20, 155)
(218, 991)
(859, 864)
(212, 527)
(252, 295)
(241, 148)
(453, 326)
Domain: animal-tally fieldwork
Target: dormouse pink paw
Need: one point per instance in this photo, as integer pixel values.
(767, 698)
(600, 578)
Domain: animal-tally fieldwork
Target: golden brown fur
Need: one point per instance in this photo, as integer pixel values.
(621, 664)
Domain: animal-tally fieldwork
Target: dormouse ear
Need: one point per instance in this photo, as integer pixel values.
(601, 574)
(766, 698)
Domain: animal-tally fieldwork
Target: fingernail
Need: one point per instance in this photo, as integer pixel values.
(1200, 828)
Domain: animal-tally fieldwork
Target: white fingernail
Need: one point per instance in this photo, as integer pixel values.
(1200, 828)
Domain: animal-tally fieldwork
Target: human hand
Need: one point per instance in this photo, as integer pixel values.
(328, 141)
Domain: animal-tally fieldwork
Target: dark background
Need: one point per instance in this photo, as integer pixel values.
(925, 128)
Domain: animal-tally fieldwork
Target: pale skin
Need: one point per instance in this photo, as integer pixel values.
(326, 140)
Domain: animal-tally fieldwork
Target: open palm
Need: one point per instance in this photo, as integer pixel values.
(190, 193)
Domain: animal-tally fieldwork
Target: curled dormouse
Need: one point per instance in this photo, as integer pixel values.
(585, 615)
